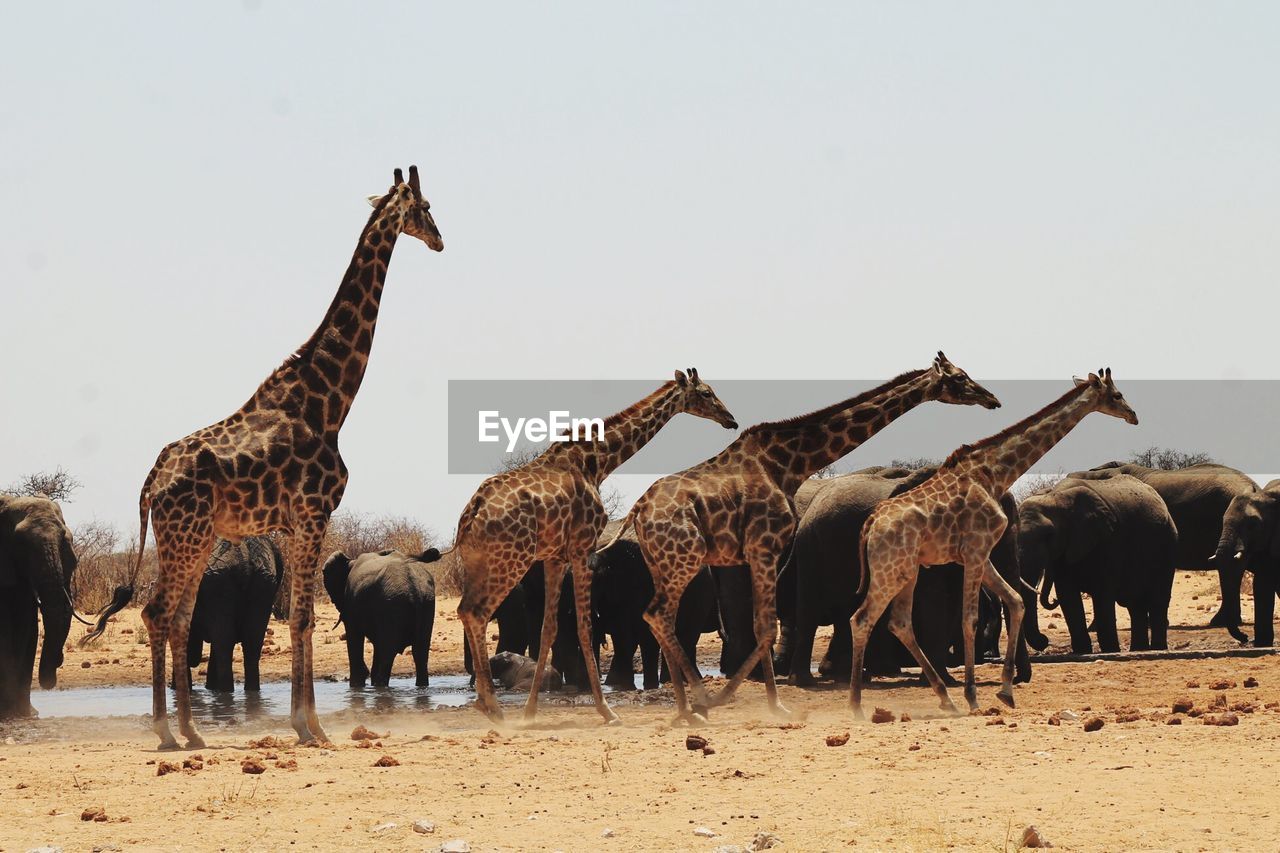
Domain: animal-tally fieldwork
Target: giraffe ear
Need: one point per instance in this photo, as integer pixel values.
(1078, 381)
(681, 379)
(373, 200)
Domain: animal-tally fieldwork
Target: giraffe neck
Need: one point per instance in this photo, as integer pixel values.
(321, 379)
(794, 450)
(1004, 457)
(627, 431)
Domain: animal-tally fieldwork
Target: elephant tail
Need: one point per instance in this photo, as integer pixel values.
(124, 594)
(629, 521)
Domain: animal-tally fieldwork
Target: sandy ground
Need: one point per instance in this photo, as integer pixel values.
(568, 783)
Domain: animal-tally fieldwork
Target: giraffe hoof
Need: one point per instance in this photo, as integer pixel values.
(195, 742)
(1006, 696)
(857, 712)
(613, 721)
(169, 745)
(781, 712)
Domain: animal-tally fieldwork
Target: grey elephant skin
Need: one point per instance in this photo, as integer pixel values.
(819, 581)
(1251, 540)
(514, 671)
(1113, 539)
(1197, 497)
(36, 566)
(388, 598)
(233, 607)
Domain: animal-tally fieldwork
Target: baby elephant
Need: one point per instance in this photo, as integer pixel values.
(390, 598)
(515, 672)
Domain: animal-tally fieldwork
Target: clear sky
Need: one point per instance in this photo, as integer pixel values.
(761, 190)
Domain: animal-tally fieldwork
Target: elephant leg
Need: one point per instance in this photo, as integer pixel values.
(1073, 613)
(384, 657)
(622, 667)
(837, 661)
(802, 632)
(1104, 616)
(1264, 603)
(358, 672)
(1139, 631)
(28, 640)
(219, 677)
(422, 653)
(252, 649)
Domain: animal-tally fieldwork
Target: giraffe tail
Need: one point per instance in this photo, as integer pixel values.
(629, 521)
(124, 594)
(864, 570)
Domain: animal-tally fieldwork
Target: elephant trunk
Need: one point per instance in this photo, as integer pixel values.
(55, 614)
(1046, 586)
(1229, 544)
(1031, 617)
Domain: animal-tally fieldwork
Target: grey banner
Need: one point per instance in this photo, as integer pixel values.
(1232, 421)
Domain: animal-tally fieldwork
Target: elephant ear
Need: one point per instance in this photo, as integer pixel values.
(1275, 531)
(1088, 524)
(8, 568)
(335, 572)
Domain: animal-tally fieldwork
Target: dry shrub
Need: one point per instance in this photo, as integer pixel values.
(103, 564)
(1036, 484)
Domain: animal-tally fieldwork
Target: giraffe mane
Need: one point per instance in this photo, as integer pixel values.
(965, 449)
(822, 414)
(307, 350)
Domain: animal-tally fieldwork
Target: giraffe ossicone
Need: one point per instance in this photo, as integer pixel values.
(271, 466)
(955, 517)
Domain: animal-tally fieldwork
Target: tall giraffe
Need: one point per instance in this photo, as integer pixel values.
(273, 465)
(736, 508)
(955, 517)
(549, 509)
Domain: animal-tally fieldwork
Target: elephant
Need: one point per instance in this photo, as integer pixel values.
(390, 598)
(514, 627)
(233, 607)
(621, 589)
(1113, 539)
(1197, 497)
(819, 581)
(37, 562)
(515, 672)
(1251, 539)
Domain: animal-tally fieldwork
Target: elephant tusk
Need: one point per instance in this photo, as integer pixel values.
(1239, 554)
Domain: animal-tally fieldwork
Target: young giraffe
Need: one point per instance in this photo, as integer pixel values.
(955, 517)
(550, 510)
(737, 508)
(272, 465)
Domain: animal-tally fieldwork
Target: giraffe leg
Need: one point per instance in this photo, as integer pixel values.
(179, 633)
(885, 582)
(183, 544)
(308, 538)
(661, 618)
(553, 571)
(1013, 605)
(973, 572)
(475, 619)
(582, 606)
(156, 620)
(901, 625)
(763, 593)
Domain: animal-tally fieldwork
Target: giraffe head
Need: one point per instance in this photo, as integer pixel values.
(950, 384)
(416, 221)
(1107, 397)
(700, 400)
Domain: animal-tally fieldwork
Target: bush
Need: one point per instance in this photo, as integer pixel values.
(1168, 459)
(1035, 484)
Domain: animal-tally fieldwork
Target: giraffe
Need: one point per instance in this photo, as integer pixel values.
(955, 516)
(272, 465)
(737, 507)
(549, 509)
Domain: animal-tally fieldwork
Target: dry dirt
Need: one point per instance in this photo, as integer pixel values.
(569, 783)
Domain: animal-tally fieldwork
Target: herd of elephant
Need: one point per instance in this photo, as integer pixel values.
(1115, 533)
